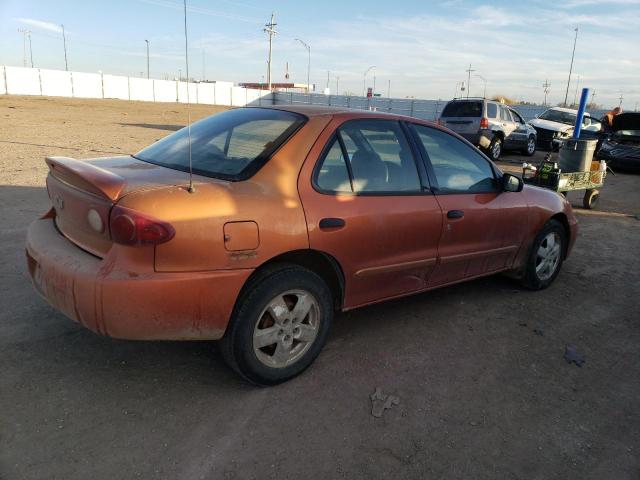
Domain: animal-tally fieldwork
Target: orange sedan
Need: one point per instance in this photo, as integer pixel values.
(293, 213)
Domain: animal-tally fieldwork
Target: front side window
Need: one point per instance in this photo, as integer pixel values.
(516, 117)
(458, 168)
(375, 157)
(226, 145)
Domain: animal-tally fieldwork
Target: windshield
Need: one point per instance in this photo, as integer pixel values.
(559, 116)
(463, 109)
(230, 145)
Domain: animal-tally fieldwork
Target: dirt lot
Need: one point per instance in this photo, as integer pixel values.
(484, 390)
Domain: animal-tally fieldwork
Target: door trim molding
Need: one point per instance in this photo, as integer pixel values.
(394, 267)
(472, 255)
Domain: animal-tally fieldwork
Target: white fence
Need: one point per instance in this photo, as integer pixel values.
(59, 83)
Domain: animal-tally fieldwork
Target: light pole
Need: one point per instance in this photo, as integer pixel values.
(337, 83)
(147, 58)
(308, 62)
(25, 34)
(484, 95)
(566, 94)
(469, 70)
(64, 42)
(364, 80)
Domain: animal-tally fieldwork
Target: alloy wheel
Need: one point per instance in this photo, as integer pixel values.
(286, 328)
(531, 146)
(548, 256)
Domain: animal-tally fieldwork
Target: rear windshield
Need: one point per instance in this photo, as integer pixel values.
(463, 109)
(231, 145)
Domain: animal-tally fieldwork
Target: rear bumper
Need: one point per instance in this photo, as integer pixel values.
(111, 297)
(481, 139)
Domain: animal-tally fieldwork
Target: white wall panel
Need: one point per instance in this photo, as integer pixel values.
(23, 81)
(141, 89)
(223, 93)
(3, 86)
(87, 85)
(116, 87)
(238, 96)
(206, 93)
(56, 83)
(165, 90)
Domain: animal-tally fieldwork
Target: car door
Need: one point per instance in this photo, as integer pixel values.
(508, 127)
(483, 227)
(520, 136)
(368, 205)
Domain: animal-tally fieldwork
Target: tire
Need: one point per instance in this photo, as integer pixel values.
(591, 198)
(495, 148)
(536, 275)
(266, 314)
(530, 148)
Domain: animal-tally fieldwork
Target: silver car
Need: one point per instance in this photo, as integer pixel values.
(490, 125)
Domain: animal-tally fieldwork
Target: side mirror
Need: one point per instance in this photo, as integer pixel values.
(511, 183)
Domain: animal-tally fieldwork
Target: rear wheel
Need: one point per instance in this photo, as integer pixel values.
(530, 148)
(545, 257)
(279, 326)
(495, 148)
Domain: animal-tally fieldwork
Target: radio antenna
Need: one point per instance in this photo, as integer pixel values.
(191, 188)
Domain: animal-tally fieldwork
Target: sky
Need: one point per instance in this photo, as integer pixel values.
(423, 48)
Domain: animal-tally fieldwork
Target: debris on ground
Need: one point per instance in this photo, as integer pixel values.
(381, 402)
(538, 331)
(571, 355)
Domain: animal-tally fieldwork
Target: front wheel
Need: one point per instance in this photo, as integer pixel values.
(545, 257)
(279, 326)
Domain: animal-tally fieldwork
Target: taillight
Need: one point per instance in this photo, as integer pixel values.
(130, 227)
(484, 122)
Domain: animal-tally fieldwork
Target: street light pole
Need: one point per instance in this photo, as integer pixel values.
(308, 63)
(147, 58)
(64, 42)
(566, 94)
(24, 33)
(364, 81)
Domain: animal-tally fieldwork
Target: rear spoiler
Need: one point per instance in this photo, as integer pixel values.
(86, 176)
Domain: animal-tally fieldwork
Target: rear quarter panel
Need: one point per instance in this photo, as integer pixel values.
(269, 198)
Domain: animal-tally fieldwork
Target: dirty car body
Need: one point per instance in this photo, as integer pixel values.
(621, 149)
(296, 212)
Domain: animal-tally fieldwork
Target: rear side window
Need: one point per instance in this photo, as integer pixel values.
(374, 155)
(230, 145)
(463, 109)
(492, 110)
(458, 168)
(504, 114)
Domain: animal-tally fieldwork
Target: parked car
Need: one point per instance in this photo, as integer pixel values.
(621, 149)
(490, 125)
(295, 212)
(556, 124)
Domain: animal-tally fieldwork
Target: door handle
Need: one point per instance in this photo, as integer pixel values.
(455, 214)
(326, 223)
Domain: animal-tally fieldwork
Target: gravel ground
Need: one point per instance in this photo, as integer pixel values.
(478, 368)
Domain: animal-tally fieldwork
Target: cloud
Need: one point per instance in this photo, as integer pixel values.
(40, 24)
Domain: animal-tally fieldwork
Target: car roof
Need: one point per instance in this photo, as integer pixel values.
(321, 110)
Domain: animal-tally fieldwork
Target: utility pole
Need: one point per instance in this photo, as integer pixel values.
(25, 33)
(337, 83)
(270, 29)
(147, 58)
(469, 70)
(64, 43)
(484, 95)
(30, 49)
(328, 75)
(546, 86)
(593, 95)
(204, 67)
(308, 48)
(621, 97)
(389, 88)
(571, 66)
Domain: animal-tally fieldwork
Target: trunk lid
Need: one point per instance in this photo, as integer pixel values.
(82, 193)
